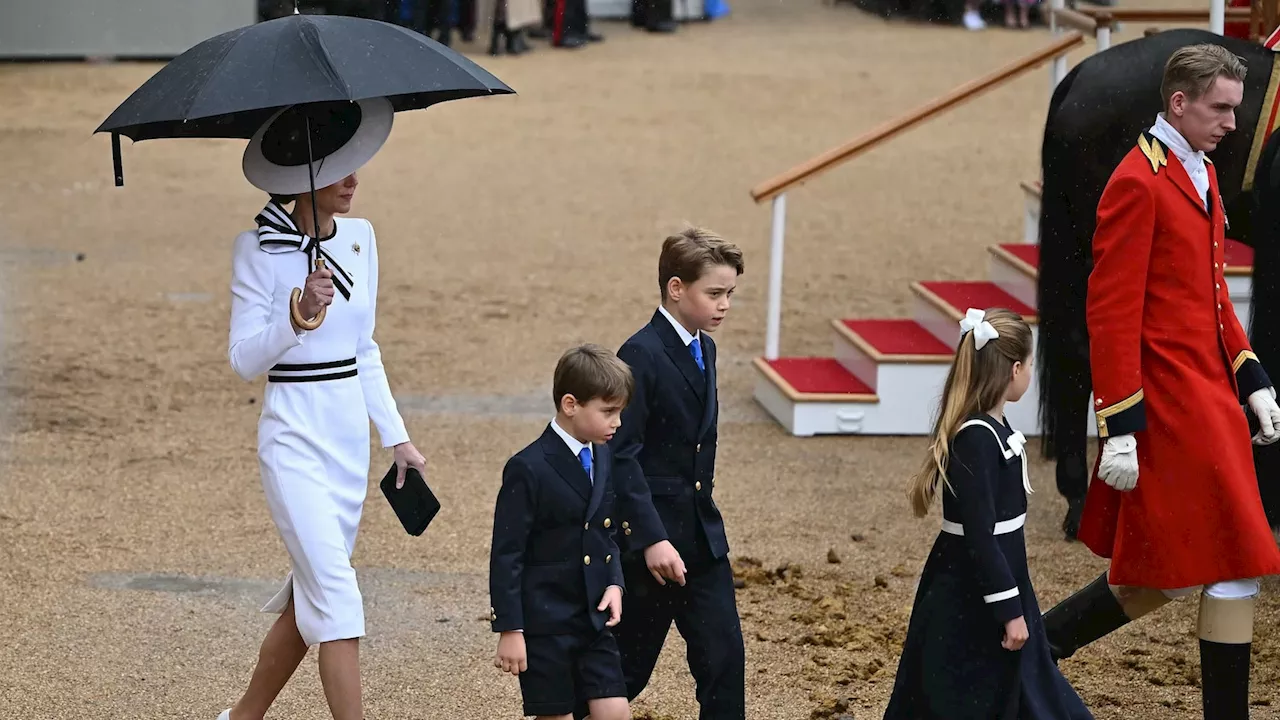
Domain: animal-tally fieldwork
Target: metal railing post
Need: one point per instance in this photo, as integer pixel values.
(773, 320)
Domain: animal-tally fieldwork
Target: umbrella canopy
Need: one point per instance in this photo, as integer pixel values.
(230, 84)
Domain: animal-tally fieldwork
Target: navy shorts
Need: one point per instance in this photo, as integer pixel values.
(563, 668)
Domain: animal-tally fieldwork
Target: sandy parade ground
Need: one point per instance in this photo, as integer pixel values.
(136, 543)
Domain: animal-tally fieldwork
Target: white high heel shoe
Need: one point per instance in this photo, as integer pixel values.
(225, 715)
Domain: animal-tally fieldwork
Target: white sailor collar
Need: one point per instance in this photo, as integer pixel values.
(1015, 445)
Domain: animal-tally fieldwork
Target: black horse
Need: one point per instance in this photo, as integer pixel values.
(1095, 117)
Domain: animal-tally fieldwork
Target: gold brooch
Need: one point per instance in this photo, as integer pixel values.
(356, 247)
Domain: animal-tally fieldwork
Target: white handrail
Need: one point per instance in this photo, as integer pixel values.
(776, 188)
(773, 321)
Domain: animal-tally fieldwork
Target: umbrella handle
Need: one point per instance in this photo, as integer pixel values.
(297, 314)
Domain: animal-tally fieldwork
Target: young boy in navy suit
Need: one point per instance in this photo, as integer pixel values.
(555, 572)
(675, 555)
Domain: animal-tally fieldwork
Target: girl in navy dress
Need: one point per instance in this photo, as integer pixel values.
(975, 646)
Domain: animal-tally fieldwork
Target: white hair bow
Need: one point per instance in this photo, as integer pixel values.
(975, 320)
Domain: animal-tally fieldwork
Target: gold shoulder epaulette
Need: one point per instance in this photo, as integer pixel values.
(1155, 151)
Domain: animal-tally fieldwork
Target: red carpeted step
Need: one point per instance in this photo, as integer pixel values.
(892, 340)
(1237, 254)
(1024, 256)
(1029, 254)
(956, 297)
(815, 376)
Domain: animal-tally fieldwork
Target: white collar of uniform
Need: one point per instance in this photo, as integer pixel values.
(685, 337)
(574, 446)
(1170, 136)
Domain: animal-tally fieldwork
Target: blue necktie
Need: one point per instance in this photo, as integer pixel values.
(584, 456)
(696, 348)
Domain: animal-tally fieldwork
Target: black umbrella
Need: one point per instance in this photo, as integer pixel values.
(229, 85)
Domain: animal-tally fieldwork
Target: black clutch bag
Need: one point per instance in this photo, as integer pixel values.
(414, 503)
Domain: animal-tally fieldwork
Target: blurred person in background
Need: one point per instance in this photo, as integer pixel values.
(653, 15)
(507, 21)
(568, 23)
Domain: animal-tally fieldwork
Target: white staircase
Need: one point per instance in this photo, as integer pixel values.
(885, 376)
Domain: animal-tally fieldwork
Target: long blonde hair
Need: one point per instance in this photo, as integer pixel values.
(977, 382)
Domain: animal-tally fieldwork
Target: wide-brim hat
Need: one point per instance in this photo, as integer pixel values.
(344, 136)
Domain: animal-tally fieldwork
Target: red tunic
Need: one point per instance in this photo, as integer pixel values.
(1171, 364)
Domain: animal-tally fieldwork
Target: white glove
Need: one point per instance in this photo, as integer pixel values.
(1263, 404)
(1119, 466)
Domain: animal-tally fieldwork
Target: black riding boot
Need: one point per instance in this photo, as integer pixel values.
(1082, 618)
(1224, 680)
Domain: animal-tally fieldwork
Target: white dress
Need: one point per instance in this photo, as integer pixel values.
(323, 387)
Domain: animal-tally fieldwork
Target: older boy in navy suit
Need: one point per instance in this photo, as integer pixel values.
(675, 555)
(555, 572)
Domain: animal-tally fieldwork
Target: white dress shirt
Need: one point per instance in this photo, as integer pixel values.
(1192, 160)
(575, 447)
(684, 334)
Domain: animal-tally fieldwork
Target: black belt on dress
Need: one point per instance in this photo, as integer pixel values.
(312, 372)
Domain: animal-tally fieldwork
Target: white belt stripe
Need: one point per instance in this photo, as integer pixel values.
(997, 597)
(1001, 528)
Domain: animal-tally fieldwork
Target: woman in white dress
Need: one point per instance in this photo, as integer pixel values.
(323, 386)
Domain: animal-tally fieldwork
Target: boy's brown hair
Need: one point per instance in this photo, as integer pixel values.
(689, 253)
(1194, 68)
(591, 371)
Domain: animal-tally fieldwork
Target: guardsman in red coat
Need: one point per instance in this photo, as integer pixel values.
(1177, 508)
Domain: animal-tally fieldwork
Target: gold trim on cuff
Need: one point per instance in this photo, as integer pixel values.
(1102, 415)
(1245, 355)
(1121, 406)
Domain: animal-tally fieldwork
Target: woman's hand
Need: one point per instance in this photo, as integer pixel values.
(316, 294)
(1015, 634)
(407, 456)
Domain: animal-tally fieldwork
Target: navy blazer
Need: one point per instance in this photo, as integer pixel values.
(553, 552)
(665, 450)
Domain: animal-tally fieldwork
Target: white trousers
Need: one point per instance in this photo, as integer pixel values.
(1225, 590)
